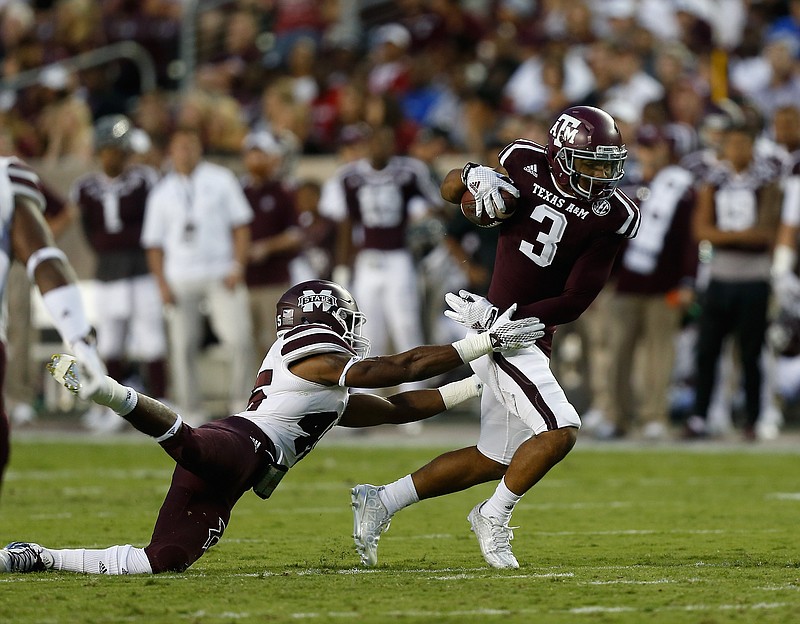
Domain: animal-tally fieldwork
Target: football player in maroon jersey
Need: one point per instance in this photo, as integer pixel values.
(554, 255)
(301, 392)
(111, 202)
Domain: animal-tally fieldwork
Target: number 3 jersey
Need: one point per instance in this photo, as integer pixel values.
(293, 412)
(556, 252)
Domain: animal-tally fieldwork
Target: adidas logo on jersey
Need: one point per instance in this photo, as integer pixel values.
(256, 443)
(532, 169)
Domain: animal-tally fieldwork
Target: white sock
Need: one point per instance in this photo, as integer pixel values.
(114, 560)
(119, 398)
(395, 496)
(501, 504)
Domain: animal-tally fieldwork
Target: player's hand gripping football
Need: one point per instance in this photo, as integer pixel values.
(485, 184)
(470, 310)
(517, 334)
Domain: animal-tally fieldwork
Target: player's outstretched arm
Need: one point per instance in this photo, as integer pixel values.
(421, 362)
(368, 410)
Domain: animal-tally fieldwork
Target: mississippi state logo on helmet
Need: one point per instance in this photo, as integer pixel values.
(586, 153)
(321, 301)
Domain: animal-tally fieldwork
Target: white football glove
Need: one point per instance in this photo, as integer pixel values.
(92, 370)
(485, 183)
(517, 334)
(469, 310)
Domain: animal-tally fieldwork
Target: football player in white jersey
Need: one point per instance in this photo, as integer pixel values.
(26, 237)
(300, 393)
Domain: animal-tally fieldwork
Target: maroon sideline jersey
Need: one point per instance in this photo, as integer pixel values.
(664, 254)
(379, 200)
(112, 213)
(273, 213)
(556, 252)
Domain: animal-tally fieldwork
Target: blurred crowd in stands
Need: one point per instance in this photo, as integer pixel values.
(292, 78)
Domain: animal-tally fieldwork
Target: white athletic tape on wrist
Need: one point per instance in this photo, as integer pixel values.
(473, 347)
(171, 431)
(459, 391)
(65, 306)
(39, 256)
(129, 402)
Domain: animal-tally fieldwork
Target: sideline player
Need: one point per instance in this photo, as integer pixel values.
(554, 255)
(27, 239)
(111, 203)
(301, 392)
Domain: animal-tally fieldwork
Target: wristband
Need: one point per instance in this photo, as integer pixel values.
(460, 391)
(121, 399)
(39, 256)
(465, 171)
(473, 347)
(176, 426)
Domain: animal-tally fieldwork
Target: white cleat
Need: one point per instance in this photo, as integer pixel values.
(370, 519)
(25, 557)
(494, 539)
(64, 369)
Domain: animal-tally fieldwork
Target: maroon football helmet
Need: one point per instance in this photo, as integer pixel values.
(585, 133)
(321, 301)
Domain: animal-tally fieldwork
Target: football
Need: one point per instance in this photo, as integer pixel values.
(485, 221)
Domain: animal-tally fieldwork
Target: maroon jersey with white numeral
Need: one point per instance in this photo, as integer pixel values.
(112, 213)
(556, 252)
(379, 200)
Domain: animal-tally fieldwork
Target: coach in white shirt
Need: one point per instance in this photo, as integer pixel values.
(196, 233)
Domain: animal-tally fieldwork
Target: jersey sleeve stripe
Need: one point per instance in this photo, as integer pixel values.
(25, 182)
(630, 228)
(518, 144)
(321, 339)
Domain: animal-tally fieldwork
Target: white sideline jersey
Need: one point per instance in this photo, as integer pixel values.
(16, 180)
(293, 412)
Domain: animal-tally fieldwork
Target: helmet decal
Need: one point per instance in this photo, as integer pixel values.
(310, 300)
(321, 301)
(585, 152)
(565, 129)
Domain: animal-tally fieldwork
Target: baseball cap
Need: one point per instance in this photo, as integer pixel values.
(263, 141)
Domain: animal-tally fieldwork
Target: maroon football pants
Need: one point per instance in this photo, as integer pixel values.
(217, 463)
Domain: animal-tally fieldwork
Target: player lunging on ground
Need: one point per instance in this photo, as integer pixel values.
(300, 393)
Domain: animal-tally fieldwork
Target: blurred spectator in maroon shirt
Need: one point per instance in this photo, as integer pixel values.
(318, 233)
(275, 237)
(654, 286)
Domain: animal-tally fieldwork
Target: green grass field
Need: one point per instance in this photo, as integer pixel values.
(614, 534)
